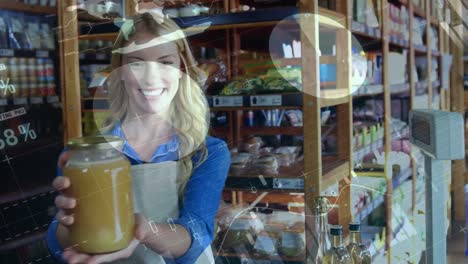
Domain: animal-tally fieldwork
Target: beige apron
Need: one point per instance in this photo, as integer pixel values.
(155, 195)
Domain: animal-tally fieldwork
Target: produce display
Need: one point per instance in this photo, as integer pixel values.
(281, 80)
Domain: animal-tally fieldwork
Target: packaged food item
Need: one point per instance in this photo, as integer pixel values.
(47, 36)
(294, 117)
(3, 30)
(241, 231)
(266, 244)
(266, 150)
(286, 155)
(49, 71)
(251, 145)
(33, 32)
(51, 89)
(14, 77)
(31, 69)
(23, 78)
(293, 241)
(17, 32)
(267, 165)
(100, 159)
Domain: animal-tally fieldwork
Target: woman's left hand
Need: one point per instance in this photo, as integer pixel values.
(141, 228)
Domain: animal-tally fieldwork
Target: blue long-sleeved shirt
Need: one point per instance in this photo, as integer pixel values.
(202, 194)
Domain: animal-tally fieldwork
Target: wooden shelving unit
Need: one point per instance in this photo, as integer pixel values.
(317, 171)
(27, 8)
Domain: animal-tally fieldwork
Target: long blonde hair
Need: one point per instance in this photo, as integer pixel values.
(189, 112)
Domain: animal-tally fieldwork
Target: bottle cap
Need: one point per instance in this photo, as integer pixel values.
(336, 230)
(355, 226)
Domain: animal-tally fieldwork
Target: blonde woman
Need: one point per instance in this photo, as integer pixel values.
(160, 112)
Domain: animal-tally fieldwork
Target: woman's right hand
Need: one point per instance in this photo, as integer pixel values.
(62, 202)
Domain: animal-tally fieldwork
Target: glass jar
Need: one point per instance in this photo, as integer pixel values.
(101, 184)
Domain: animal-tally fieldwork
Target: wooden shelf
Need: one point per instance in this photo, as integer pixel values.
(293, 131)
(398, 42)
(94, 98)
(102, 36)
(295, 171)
(399, 88)
(333, 172)
(253, 108)
(270, 197)
(419, 11)
(365, 31)
(281, 259)
(369, 90)
(334, 97)
(420, 49)
(25, 194)
(22, 7)
(24, 240)
(95, 110)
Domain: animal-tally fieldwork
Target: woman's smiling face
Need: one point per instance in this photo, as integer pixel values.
(151, 74)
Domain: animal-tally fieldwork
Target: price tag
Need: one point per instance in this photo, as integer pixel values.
(82, 56)
(7, 53)
(3, 102)
(42, 54)
(229, 101)
(100, 56)
(288, 183)
(265, 100)
(20, 101)
(36, 100)
(52, 99)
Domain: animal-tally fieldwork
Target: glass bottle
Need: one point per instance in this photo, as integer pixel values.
(337, 254)
(101, 181)
(358, 252)
(321, 243)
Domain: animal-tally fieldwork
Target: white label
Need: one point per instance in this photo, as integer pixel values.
(288, 183)
(42, 54)
(265, 100)
(3, 101)
(231, 101)
(52, 99)
(20, 101)
(7, 53)
(82, 56)
(100, 56)
(36, 100)
(2, 67)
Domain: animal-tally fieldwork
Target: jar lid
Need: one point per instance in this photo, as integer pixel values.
(336, 230)
(354, 226)
(95, 142)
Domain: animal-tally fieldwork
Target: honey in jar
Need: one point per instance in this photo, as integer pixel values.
(101, 184)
